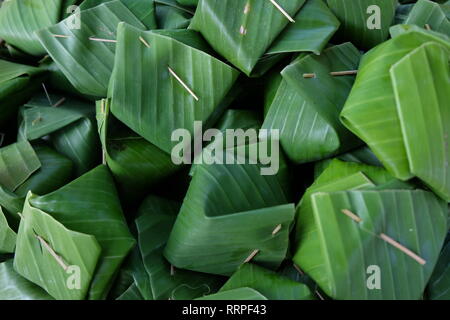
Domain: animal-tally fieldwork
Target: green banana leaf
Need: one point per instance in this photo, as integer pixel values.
(90, 205)
(314, 26)
(370, 111)
(429, 13)
(18, 161)
(231, 119)
(177, 5)
(7, 236)
(402, 12)
(160, 104)
(71, 126)
(355, 19)
(235, 29)
(360, 155)
(446, 8)
(12, 204)
(235, 294)
(17, 84)
(156, 218)
(306, 111)
(342, 252)
(20, 18)
(426, 70)
(268, 283)
(144, 10)
(135, 163)
(188, 2)
(73, 249)
(169, 17)
(132, 293)
(438, 287)
(55, 171)
(231, 210)
(15, 287)
(86, 63)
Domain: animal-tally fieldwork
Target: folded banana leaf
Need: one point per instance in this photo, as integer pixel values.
(17, 83)
(20, 18)
(90, 205)
(230, 213)
(428, 14)
(235, 294)
(15, 287)
(155, 102)
(188, 2)
(370, 111)
(344, 251)
(18, 161)
(268, 283)
(55, 250)
(440, 280)
(156, 218)
(7, 236)
(86, 55)
(365, 23)
(170, 17)
(135, 163)
(144, 10)
(132, 293)
(306, 111)
(232, 119)
(235, 30)
(425, 68)
(71, 125)
(314, 26)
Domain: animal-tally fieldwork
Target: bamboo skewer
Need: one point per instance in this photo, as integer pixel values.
(182, 83)
(309, 75)
(427, 26)
(60, 36)
(351, 215)
(52, 252)
(282, 11)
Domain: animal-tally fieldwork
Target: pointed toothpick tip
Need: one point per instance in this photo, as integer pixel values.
(144, 42)
(351, 215)
(402, 248)
(251, 256)
(344, 73)
(60, 36)
(52, 252)
(309, 75)
(102, 40)
(46, 93)
(59, 102)
(182, 83)
(282, 11)
(276, 230)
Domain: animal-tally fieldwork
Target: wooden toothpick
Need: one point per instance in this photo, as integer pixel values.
(102, 40)
(52, 252)
(48, 96)
(251, 256)
(60, 36)
(402, 248)
(276, 230)
(172, 270)
(282, 11)
(38, 119)
(427, 26)
(182, 83)
(60, 102)
(344, 73)
(351, 215)
(309, 75)
(144, 42)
